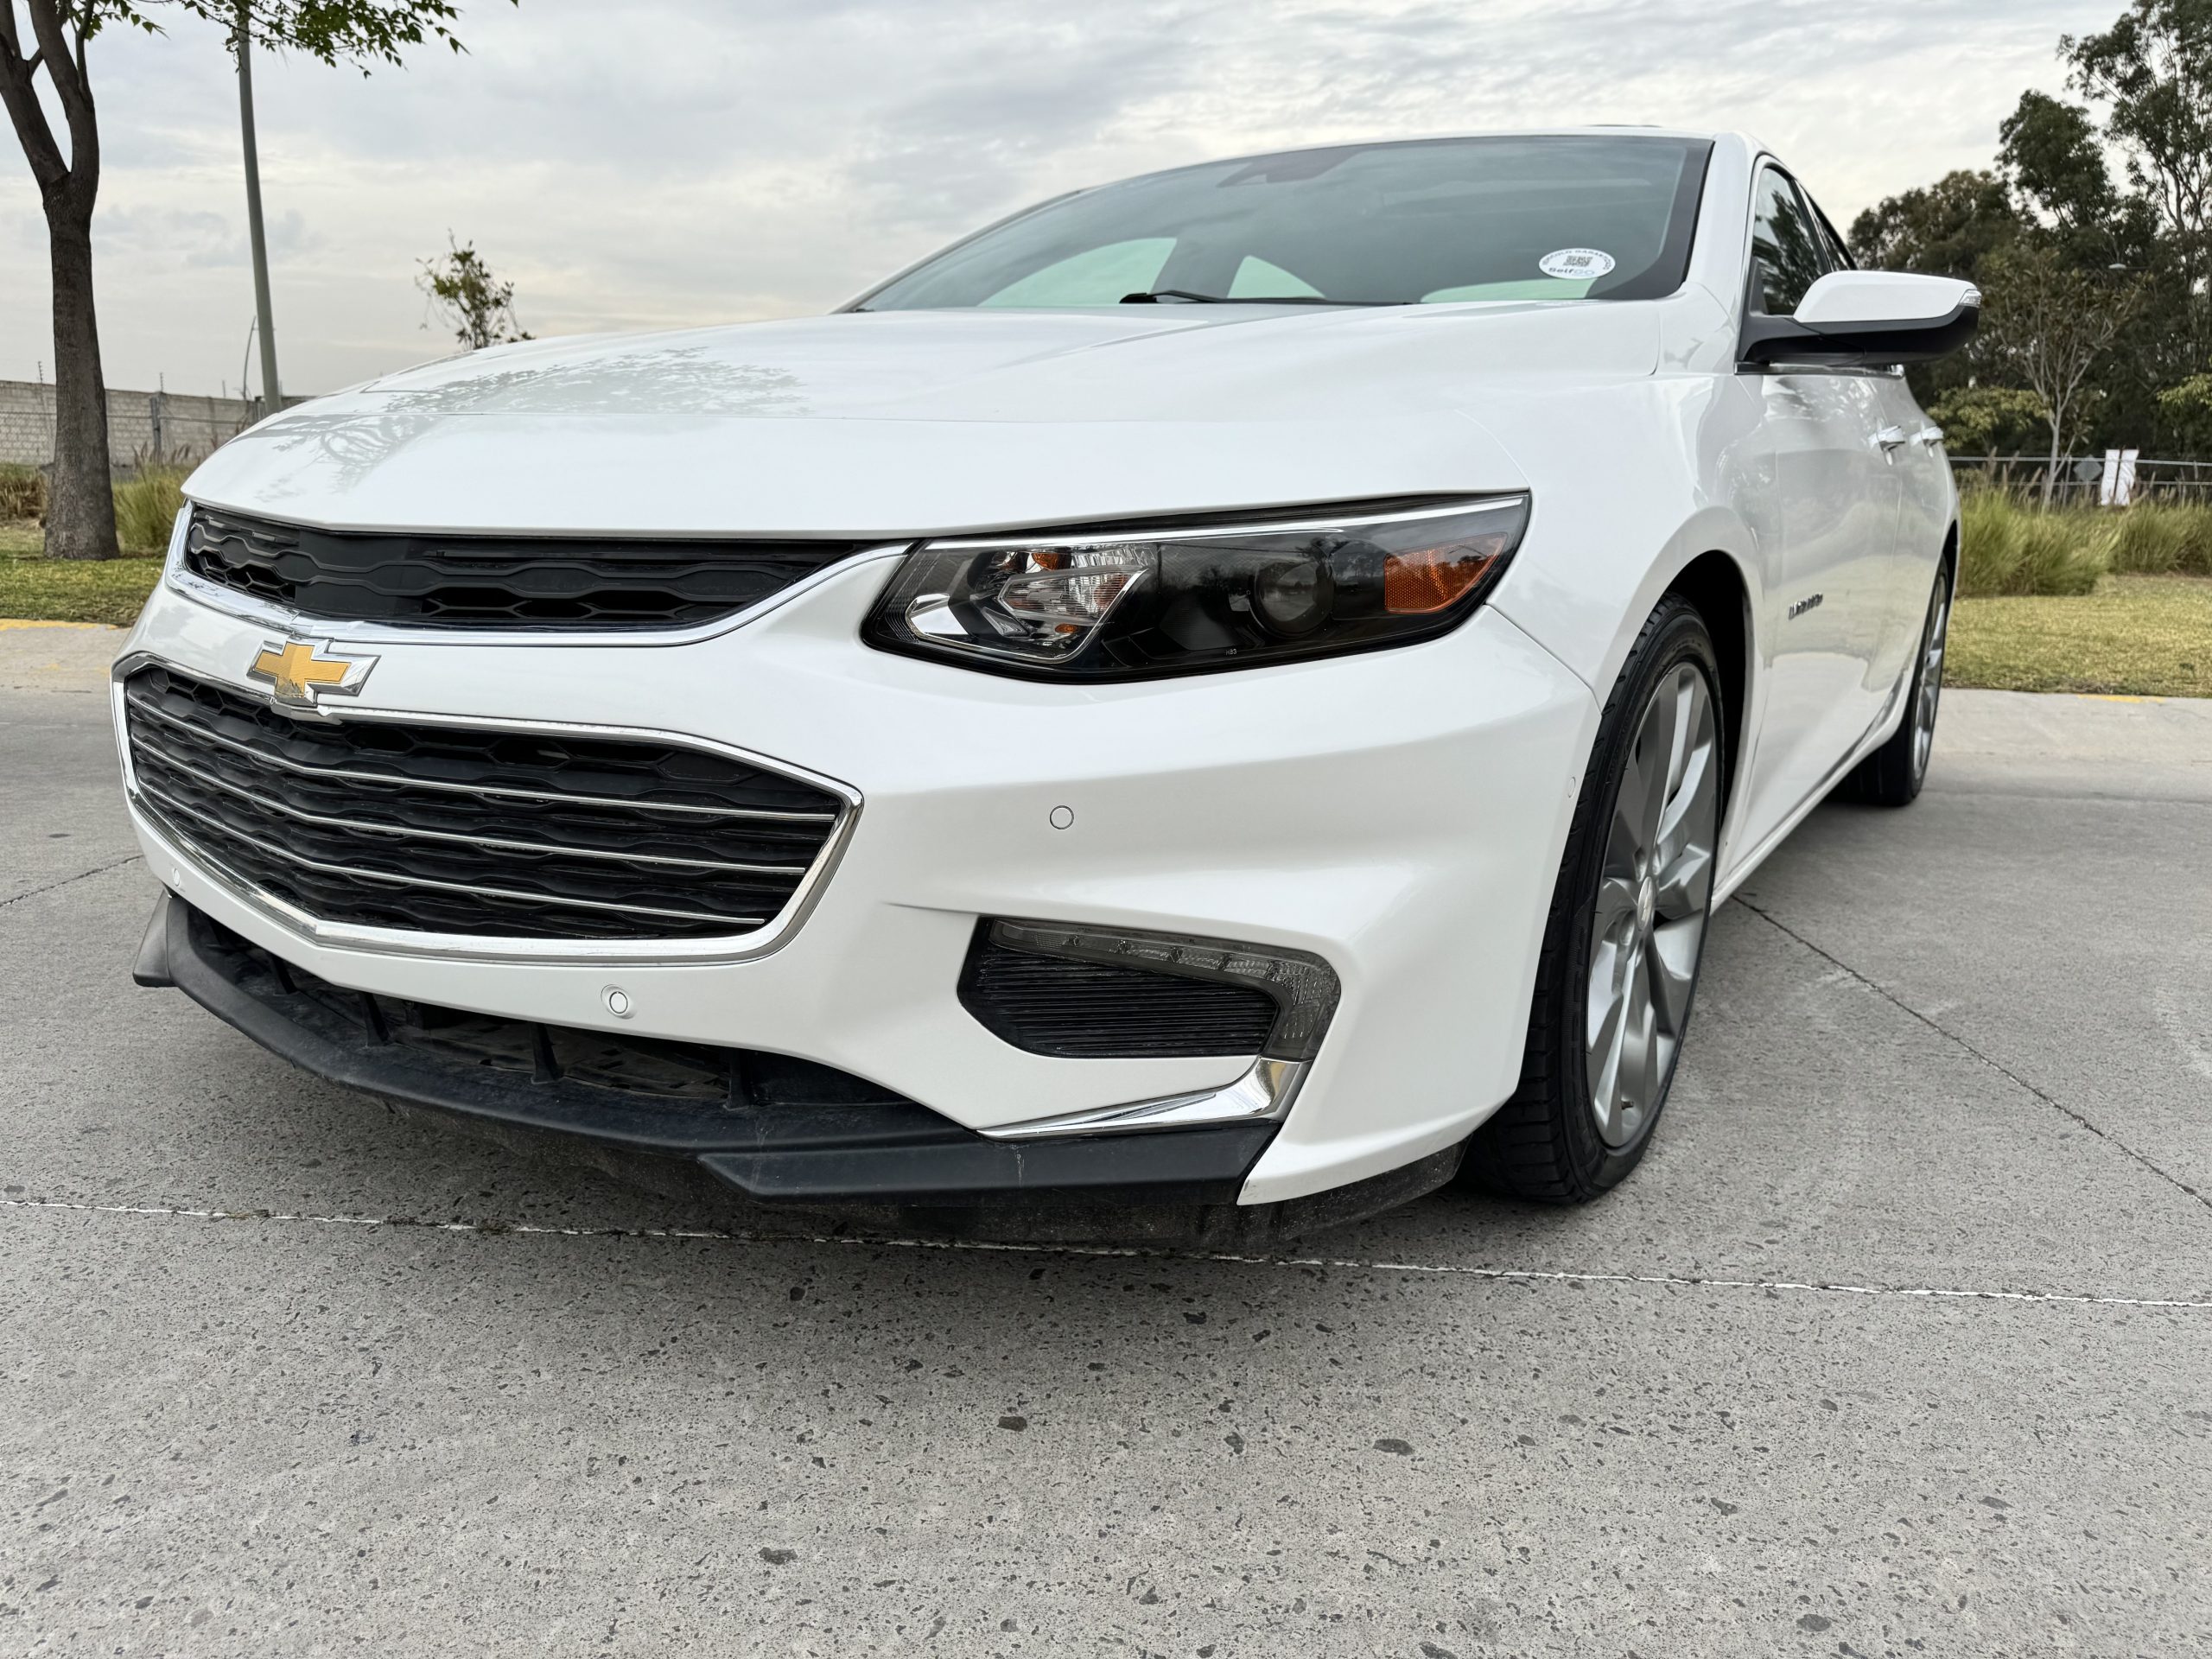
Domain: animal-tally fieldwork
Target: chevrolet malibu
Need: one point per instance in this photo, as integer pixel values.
(1208, 708)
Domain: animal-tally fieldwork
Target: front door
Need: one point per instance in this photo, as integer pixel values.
(1835, 519)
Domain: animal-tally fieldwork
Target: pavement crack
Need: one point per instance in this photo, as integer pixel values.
(1530, 1276)
(1996, 1066)
(66, 881)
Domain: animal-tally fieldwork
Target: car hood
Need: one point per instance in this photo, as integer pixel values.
(900, 424)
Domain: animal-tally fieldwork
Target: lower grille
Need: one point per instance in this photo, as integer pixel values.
(1089, 1010)
(440, 829)
(654, 1075)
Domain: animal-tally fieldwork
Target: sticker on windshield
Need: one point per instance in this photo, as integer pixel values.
(1584, 264)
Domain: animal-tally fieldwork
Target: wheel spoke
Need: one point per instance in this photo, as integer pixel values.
(1684, 885)
(1654, 895)
(1605, 1062)
(1688, 803)
(1616, 905)
(1671, 964)
(1638, 1085)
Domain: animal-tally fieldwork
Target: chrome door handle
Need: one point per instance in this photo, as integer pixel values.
(1891, 437)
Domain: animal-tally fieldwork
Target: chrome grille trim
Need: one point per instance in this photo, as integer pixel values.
(179, 863)
(346, 775)
(353, 872)
(414, 832)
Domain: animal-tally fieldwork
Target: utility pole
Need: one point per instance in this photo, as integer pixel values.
(272, 395)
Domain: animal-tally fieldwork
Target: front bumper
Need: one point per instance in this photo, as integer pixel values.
(1399, 815)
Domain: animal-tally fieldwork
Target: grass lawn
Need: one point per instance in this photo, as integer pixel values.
(2145, 636)
(41, 589)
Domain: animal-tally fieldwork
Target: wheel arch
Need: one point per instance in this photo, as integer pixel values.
(1714, 584)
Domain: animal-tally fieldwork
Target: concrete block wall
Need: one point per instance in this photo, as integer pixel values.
(142, 426)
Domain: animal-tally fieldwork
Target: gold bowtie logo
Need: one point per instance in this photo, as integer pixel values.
(302, 675)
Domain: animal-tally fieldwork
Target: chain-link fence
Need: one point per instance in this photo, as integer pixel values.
(2080, 480)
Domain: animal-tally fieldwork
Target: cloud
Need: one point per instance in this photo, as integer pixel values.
(669, 162)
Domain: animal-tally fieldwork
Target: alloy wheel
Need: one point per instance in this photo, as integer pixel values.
(1654, 891)
(1931, 678)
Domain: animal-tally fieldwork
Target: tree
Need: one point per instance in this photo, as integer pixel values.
(1945, 229)
(478, 307)
(1987, 420)
(2152, 70)
(80, 510)
(2051, 324)
(1941, 229)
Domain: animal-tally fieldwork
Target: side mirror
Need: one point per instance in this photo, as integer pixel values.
(1868, 317)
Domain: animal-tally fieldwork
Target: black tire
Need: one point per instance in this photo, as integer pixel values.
(1545, 1143)
(1892, 775)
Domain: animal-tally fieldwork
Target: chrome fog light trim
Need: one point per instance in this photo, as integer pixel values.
(1262, 1093)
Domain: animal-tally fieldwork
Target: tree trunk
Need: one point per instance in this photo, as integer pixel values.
(80, 502)
(2050, 473)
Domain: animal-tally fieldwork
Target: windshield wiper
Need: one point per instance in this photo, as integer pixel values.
(1155, 295)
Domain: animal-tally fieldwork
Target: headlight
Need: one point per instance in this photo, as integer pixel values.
(1111, 605)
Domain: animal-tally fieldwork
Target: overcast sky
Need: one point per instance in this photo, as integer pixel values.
(665, 162)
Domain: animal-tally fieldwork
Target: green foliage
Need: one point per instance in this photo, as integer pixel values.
(478, 307)
(2186, 411)
(22, 492)
(2008, 546)
(146, 508)
(2162, 538)
(361, 33)
(2062, 246)
(2050, 154)
(1940, 230)
(1990, 420)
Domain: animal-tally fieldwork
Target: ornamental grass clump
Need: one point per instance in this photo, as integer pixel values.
(2008, 546)
(2164, 538)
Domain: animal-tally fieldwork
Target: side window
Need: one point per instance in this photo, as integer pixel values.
(1836, 257)
(1787, 254)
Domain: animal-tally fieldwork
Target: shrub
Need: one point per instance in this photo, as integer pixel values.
(22, 492)
(2008, 546)
(2162, 538)
(146, 508)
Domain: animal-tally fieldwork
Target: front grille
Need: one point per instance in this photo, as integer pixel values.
(1089, 1010)
(442, 829)
(492, 582)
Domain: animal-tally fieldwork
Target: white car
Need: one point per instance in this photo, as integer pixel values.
(1189, 714)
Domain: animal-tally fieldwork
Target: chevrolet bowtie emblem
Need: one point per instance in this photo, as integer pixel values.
(302, 675)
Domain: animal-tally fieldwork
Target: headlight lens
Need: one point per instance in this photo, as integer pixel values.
(1114, 606)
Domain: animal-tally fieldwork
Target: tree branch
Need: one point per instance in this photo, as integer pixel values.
(64, 69)
(40, 148)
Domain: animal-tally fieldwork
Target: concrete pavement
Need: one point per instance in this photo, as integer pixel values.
(1898, 1343)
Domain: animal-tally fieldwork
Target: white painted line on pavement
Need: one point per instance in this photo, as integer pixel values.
(1513, 1275)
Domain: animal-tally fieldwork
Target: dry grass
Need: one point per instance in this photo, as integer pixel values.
(2143, 636)
(41, 589)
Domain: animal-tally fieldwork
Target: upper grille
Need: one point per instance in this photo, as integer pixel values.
(492, 582)
(447, 830)
(1092, 1010)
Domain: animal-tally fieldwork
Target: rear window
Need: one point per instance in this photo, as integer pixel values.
(1581, 217)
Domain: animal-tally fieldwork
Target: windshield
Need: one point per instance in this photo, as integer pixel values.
(1566, 218)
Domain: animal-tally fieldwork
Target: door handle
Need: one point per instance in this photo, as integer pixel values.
(1891, 437)
(1930, 436)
